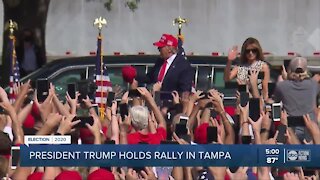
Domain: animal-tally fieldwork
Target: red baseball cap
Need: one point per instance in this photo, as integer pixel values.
(101, 174)
(74, 175)
(166, 40)
(200, 133)
(129, 73)
(35, 176)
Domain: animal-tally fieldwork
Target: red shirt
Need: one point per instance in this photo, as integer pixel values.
(156, 138)
(87, 137)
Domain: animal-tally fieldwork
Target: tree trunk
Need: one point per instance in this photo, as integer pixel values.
(31, 14)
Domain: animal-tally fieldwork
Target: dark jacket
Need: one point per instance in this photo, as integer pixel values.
(40, 57)
(179, 76)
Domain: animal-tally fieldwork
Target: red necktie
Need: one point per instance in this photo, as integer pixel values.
(162, 71)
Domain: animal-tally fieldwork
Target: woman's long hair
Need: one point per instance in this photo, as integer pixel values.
(246, 43)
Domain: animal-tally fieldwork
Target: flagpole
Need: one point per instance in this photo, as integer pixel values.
(101, 78)
(180, 21)
(100, 22)
(11, 25)
(11, 37)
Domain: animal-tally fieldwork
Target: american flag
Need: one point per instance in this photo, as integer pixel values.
(14, 69)
(183, 54)
(102, 80)
(180, 48)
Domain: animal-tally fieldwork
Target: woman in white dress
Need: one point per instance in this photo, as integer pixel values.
(251, 59)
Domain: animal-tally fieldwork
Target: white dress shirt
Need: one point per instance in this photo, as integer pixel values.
(169, 62)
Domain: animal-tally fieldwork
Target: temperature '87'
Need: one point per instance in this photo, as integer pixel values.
(271, 160)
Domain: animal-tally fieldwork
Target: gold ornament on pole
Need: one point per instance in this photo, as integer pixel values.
(100, 22)
(11, 25)
(179, 21)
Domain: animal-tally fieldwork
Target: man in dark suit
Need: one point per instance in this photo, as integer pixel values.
(29, 54)
(172, 70)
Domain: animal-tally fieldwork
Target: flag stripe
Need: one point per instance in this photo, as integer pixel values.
(103, 83)
(101, 100)
(102, 79)
(103, 89)
(101, 94)
(14, 69)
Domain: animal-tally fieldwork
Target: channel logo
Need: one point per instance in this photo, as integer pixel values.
(298, 155)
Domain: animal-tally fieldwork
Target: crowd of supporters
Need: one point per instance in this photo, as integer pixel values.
(150, 121)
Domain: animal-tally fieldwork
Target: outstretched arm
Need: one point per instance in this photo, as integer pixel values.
(232, 55)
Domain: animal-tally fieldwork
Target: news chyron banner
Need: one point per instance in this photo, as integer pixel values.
(170, 155)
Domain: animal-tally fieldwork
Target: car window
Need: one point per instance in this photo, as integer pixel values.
(204, 80)
(69, 76)
(140, 69)
(115, 76)
(218, 77)
(74, 75)
(144, 69)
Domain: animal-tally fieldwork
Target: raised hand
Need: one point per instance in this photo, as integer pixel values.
(266, 121)
(119, 175)
(131, 174)
(196, 96)
(290, 176)
(274, 139)
(8, 108)
(148, 174)
(256, 125)
(232, 54)
(125, 99)
(118, 91)
(53, 120)
(95, 127)
(221, 131)
(152, 123)
(52, 91)
(25, 87)
(253, 77)
(284, 118)
(312, 128)
(145, 93)
(72, 102)
(291, 137)
(284, 73)
(45, 108)
(87, 102)
(179, 140)
(66, 124)
(176, 98)
(181, 37)
(157, 86)
(3, 95)
(124, 125)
